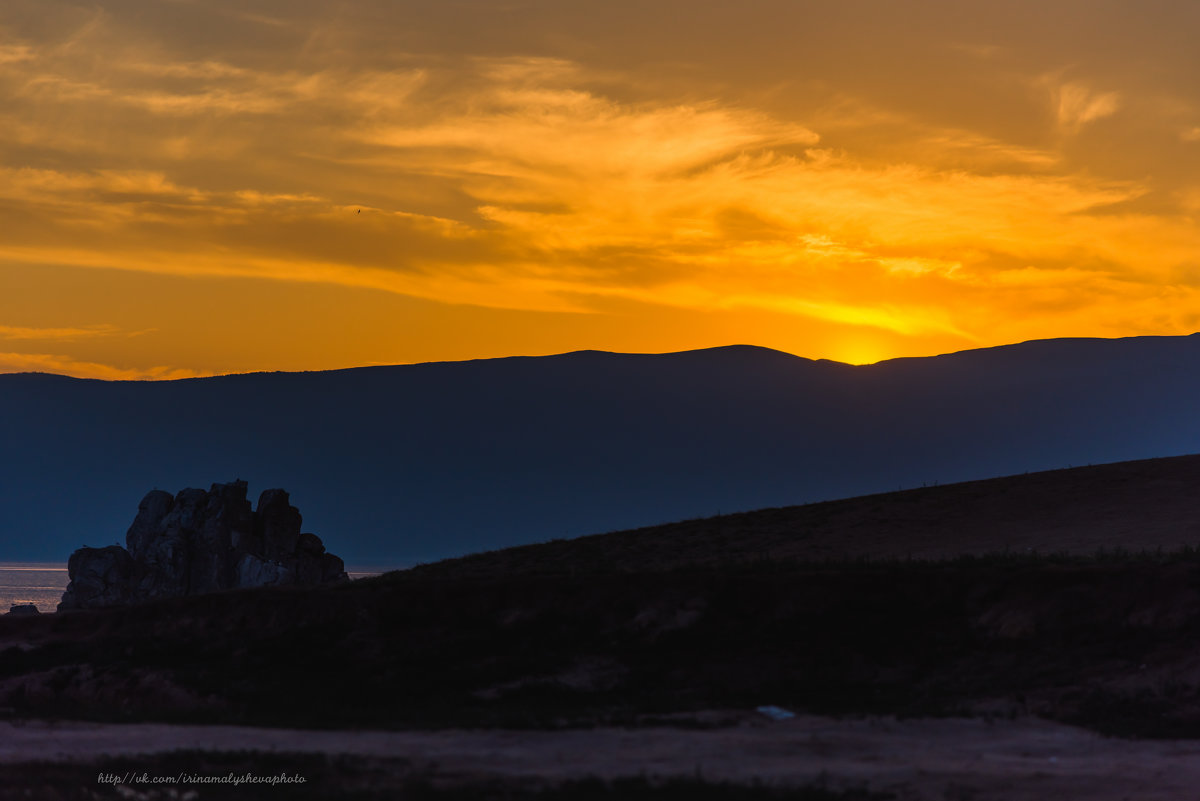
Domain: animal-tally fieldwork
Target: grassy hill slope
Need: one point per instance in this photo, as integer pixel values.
(1146, 505)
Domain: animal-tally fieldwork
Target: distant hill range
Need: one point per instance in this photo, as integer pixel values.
(394, 465)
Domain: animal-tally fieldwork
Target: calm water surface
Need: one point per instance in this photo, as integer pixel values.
(38, 583)
(42, 583)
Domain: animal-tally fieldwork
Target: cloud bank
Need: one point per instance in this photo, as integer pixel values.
(553, 165)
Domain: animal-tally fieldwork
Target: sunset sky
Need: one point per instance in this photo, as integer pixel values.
(212, 186)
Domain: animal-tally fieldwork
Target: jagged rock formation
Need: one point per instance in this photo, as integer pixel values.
(198, 542)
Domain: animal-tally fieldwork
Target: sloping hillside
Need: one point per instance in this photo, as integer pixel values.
(1137, 506)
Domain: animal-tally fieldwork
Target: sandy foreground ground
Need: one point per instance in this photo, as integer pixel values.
(914, 759)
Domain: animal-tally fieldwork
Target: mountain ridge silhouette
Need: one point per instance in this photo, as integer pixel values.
(400, 464)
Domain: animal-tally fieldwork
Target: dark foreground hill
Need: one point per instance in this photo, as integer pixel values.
(1139, 506)
(1111, 642)
(1110, 645)
(396, 465)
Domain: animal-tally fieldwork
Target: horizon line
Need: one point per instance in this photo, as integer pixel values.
(558, 354)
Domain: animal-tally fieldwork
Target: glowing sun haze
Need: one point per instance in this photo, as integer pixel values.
(221, 186)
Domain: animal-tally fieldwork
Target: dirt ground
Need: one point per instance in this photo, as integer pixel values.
(1016, 760)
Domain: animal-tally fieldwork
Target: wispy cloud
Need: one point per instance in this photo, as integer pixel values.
(1076, 105)
(12, 53)
(66, 334)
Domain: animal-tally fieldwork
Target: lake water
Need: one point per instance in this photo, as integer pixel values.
(32, 583)
(42, 583)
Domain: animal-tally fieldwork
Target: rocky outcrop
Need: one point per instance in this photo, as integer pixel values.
(98, 577)
(198, 542)
(23, 610)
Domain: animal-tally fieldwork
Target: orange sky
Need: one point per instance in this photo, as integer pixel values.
(209, 186)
